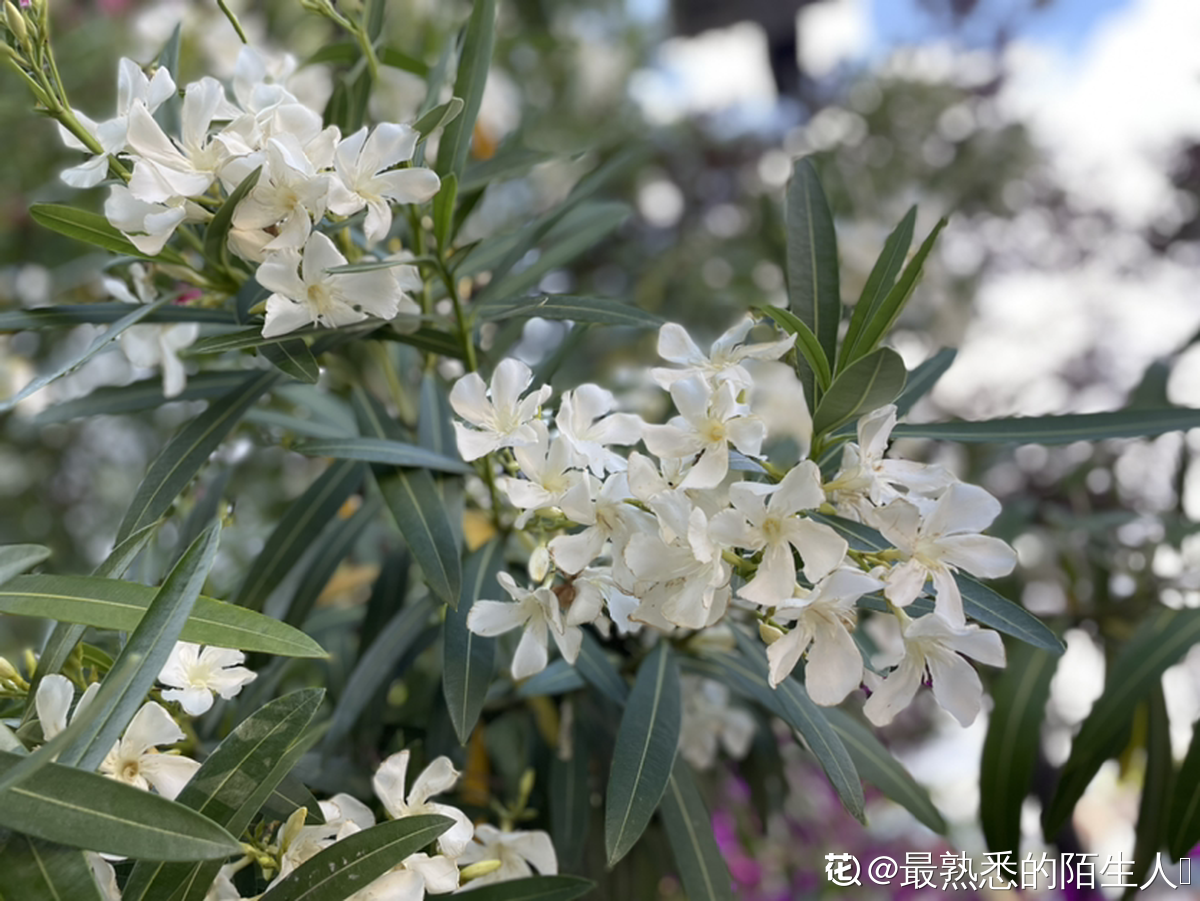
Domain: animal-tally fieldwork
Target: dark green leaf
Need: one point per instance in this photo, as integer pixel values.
(570, 795)
(1162, 639)
(468, 660)
(510, 161)
(698, 859)
(111, 604)
(436, 118)
(879, 283)
(1157, 787)
(812, 258)
(473, 64)
(356, 861)
(86, 810)
(867, 384)
(417, 507)
(1057, 429)
(144, 395)
(806, 343)
(381, 450)
(398, 59)
(344, 53)
(18, 558)
(43, 871)
(556, 679)
(575, 308)
(336, 543)
(1011, 748)
(92, 228)
(443, 212)
(534, 888)
(600, 674)
(435, 418)
(922, 379)
(217, 230)
(876, 765)
(1183, 823)
(429, 340)
(294, 359)
(644, 753)
(76, 314)
(188, 450)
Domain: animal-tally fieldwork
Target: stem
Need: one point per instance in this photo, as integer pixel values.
(233, 20)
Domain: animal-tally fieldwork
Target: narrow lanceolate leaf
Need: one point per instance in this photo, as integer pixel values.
(92, 228)
(806, 343)
(356, 861)
(142, 659)
(599, 672)
(556, 679)
(217, 230)
(644, 753)
(417, 507)
(443, 212)
(120, 606)
(600, 310)
(18, 558)
(86, 810)
(377, 667)
(1011, 747)
(294, 359)
(812, 257)
(137, 396)
(435, 418)
(535, 888)
(80, 313)
(1159, 642)
(867, 384)
(876, 765)
(922, 379)
(1058, 429)
(185, 453)
(380, 450)
(570, 797)
(468, 660)
(473, 64)
(232, 783)
(298, 528)
(1157, 787)
(1183, 821)
(876, 329)
(438, 116)
(338, 540)
(43, 871)
(698, 859)
(879, 283)
(134, 315)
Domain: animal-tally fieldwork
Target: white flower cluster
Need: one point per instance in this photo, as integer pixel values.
(679, 538)
(307, 173)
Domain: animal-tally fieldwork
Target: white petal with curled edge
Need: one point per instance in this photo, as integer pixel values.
(53, 700)
(676, 346)
(531, 656)
(834, 665)
(956, 686)
(508, 381)
(86, 175)
(390, 143)
(151, 726)
(437, 778)
(491, 618)
(194, 701)
(284, 315)
(710, 469)
(904, 582)
(537, 848)
(574, 552)
(962, 508)
(408, 185)
(784, 654)
(167, 772)
(469, 400)
(388, 783)
(896, 692)
(569, 640)
(980, 555)
(439, 872)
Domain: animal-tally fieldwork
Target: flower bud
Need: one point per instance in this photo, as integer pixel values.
(15, 22)
(8, 673)
(768, 633)
(539, 563)
(475, 870)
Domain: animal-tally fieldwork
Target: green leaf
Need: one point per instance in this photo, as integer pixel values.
(570, 797)
(135, 315)
(922, 379)
(876, 765)
(812, 260)
(644, 752)
(17, 558)
(576, 308)
(1157, 788)
(1161, 641)
(377, 667)
(232, 784)
(806, 343)
(417, 507)
(698, 859)
(184, 454)
(600, 674)
(381, 450)
(1183, 821)
(882, 319)
(556, 679)
(86, 810)
(298, 528)
(1057, 429)
(357, 860)
(93, 228)
(43, 871)
(337, 541)
(473, 64)
(436, 118)
(144, 395)
(84, 313)
(468, 660)
(120, 606)
(510, 161)
(217, 231)
(1011, 748)
(879, 283)
(429, 340)
(443, 212)
(294, 359)
(398, 59)
(867, 384)
(534, 888)
(435, 418)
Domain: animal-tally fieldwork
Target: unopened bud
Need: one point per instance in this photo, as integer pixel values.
(476, 870)
(539, 563)
(8, 672)
(768, 633)
(15, 22)
(526, 785)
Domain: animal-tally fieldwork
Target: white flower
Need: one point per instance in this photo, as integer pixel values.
(607, 517)
(516, 851)
(195, 675)
(136, 761)
(299, 842)
(313, 296)
(148, 226)
(363, 162)
(708, 422)
(723, 362)
(414, 877)
(290, 194)
(823, 620)
(105, 876)
(537, 612)
(709, 722)
(583, 421)
(153, 345)
(504, 419)
(930, 643)
(941, 542)
(774, 528)
(549, 474)
(435, 779)
(53, 701)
